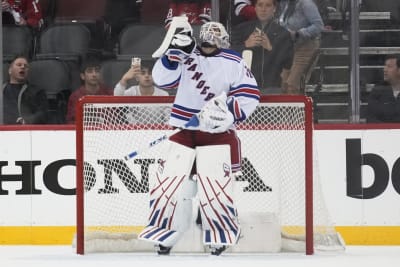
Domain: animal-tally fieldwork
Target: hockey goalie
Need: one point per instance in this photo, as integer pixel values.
(214, 86)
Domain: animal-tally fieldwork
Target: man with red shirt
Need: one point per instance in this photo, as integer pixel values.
(91, 85)
(22, 12)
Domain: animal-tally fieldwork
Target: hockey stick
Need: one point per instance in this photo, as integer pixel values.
(247, 56)
(192, 123)
(177, 25)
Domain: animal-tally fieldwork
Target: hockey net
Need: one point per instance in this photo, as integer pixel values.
(277, 193)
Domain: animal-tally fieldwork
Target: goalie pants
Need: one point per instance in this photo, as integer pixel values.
(198, 138)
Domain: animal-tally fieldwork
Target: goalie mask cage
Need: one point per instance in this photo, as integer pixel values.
(276, 178)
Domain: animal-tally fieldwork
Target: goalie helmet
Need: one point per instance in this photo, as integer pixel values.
(214, 34)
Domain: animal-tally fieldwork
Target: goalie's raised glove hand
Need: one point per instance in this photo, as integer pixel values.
(181, 47)
(215, 116)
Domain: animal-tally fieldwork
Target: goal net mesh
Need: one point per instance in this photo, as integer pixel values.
(113, 201)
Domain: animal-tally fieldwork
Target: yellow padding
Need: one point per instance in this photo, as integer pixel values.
(37, 235)
(370, 235)
(63, 235)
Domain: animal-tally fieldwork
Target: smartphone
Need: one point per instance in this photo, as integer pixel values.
(258, 30)
(136, 61)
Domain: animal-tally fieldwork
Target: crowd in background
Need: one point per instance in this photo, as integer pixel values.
(283, 35)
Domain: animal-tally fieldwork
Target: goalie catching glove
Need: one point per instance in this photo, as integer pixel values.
(215, 116)
(181, 47)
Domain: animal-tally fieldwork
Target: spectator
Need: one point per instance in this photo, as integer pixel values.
(197, 11)
(23, 103)
(142, 73)
(271, 44)
(22, 12)
(91, 85)
(145, 87)
(384, 99)
(244, 9)
(303, 20)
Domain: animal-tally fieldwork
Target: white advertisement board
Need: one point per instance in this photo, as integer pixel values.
(359, 172)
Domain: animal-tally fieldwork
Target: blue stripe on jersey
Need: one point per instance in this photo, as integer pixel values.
(232, 52)
(229, 54)
(246, 90)
(185, 109)
(244, 86)
(183, 113)
(171, 65)
(248, 95)
(179, 117)
(170, 85)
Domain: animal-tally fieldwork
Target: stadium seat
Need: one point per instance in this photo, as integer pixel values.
(52, 75)
(140, 40)
(87, 12)
(112, 71)
(5, 71)
(17, 40)
(65, 41)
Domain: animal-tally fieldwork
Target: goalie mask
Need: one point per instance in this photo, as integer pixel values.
(213, 34)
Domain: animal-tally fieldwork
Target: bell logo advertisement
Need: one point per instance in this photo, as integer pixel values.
(384, 175)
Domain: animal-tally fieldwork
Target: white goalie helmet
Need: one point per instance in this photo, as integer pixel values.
(214, 34)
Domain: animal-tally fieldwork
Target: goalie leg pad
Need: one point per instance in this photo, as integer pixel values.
(171, 197)
(219, 215)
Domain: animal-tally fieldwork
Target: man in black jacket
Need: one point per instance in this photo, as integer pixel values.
(384, 99)
(23, 103)
(271, 44)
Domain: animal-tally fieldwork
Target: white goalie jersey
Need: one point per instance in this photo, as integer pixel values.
(201, 77)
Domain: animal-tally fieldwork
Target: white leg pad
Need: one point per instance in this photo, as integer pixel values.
(171, 197)
(219, 214)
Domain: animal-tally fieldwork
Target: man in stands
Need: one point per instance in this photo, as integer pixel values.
(384, 99)
(22, 12)
(91, 85)
(244, 10)
(141, 72)
(145, 87)
(270, 43)
(23, 103)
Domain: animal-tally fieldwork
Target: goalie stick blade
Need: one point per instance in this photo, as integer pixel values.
(177, 24)
(247, 56)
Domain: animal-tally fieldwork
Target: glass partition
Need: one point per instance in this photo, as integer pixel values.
(338, 67)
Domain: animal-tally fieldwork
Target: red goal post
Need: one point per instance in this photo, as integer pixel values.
(277, 173)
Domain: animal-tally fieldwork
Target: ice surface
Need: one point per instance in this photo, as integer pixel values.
(64, 256)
